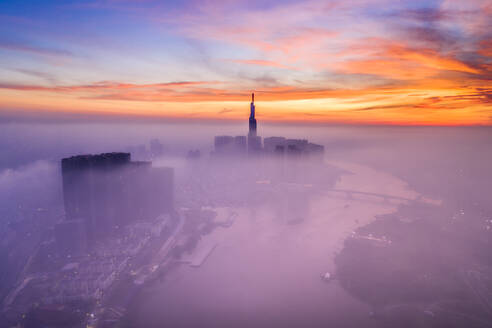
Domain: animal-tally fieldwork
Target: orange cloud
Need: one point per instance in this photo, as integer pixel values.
(395, 60)
(430, 101)
(429, 58)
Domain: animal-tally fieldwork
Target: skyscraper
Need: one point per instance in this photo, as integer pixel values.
(252, 119)
(107, 191)
(254, 142)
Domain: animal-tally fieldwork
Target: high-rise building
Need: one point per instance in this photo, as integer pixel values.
(280, 146)
(156, 148)
(224, 144)
(240, 144)
(254, 144)
(252, 119)
(228, 145)
(271, 143)
(92, 184)
(254, 141)
(107, 191)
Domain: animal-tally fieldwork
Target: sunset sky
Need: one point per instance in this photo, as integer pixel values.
(341, 61)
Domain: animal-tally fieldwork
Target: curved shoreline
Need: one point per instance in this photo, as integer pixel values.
(262, 265)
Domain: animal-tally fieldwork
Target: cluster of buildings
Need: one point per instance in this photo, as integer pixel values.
(118, 212)
(153, 150)
(252, 143)
(57, 287)
(102, 193)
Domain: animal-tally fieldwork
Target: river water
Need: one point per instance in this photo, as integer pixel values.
(265, 272)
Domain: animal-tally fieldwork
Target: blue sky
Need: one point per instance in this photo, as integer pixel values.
(349, 61)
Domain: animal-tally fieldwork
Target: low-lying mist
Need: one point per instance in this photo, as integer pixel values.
(391, 228)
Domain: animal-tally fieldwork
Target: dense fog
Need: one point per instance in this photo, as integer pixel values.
(391, 228)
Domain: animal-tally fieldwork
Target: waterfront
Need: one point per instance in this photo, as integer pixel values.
(267, 271)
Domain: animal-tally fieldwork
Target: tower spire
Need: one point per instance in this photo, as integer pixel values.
(252, 119)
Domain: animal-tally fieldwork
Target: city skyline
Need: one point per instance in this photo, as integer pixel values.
(356, 62)
(245, 163)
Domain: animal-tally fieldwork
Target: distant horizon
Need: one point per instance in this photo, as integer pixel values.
(53, 117)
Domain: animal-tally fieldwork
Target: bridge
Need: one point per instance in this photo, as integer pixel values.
(350, 195)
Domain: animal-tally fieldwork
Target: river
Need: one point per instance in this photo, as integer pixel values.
(265, 272)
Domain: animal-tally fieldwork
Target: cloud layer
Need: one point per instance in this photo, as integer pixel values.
(428, 62)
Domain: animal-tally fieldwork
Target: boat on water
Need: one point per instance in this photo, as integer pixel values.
(327, 277)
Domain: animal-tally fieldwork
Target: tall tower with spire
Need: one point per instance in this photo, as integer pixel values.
(252, 119)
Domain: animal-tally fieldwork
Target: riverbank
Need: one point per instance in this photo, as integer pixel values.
(265, 271)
